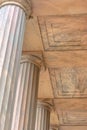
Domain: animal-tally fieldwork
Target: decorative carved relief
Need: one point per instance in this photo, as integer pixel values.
(73, 118)
(69, 82)
(64, 32)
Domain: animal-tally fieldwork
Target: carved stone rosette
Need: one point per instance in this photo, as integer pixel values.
(24, 4)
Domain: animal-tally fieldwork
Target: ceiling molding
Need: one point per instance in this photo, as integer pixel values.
(66, 32)
(69, 82)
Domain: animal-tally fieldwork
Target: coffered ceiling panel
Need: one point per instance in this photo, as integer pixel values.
(68, 32)
(73, 128)
(72, 117)
(71, 111)
(69, 82)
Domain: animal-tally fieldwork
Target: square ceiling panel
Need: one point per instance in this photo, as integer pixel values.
(68, 82)
(66, 32)
(71, 111)
(73, 117)
(73, 128)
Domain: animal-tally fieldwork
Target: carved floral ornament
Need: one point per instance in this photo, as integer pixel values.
(24, 4)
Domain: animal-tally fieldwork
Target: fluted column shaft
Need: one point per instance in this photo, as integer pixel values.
(42, 116)
(12, 24)
(26, 96)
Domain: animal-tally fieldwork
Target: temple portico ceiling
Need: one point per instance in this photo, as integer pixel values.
(58, 30)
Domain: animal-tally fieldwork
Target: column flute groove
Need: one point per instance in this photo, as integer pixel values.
(42, 116)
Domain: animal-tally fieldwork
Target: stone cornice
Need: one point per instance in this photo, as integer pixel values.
(24, 4)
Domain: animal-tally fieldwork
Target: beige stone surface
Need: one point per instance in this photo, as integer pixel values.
(45, 89)
(73, 128)
(54, 119)
(74, 30)
(55, 7)
(32, 38)
(71, 111)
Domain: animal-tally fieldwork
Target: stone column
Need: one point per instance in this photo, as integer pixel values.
(26, 96)
(42, 116)
(12, 24)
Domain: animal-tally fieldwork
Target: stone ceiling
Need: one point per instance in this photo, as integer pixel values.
(58, 30)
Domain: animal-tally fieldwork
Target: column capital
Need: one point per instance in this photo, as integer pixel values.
(39, 58)
(53, 127)
(24, 4)
(32, 59)
(44, 105)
